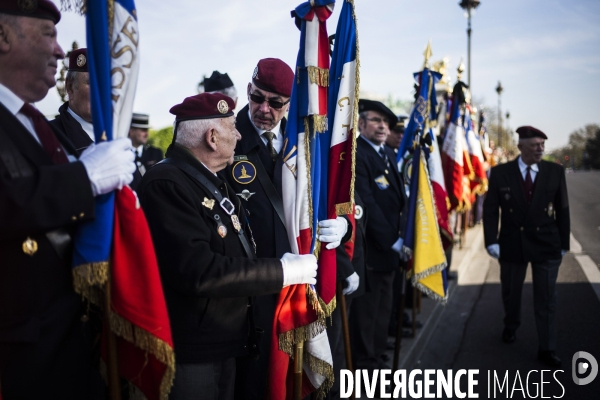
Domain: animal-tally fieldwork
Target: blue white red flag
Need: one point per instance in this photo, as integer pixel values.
(115, 250)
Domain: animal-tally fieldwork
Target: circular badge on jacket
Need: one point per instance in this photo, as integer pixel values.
(358, 212)
(243, 172)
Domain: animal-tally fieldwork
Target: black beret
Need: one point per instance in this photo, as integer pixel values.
(373, 105)
(217, 81)
(528, 132)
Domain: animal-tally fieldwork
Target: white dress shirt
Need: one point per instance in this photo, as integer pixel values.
(277, 139)
(13, 103)
(533, 171)
(86, 126)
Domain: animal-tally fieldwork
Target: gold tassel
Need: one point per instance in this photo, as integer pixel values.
(89, 280)
(318, 76)
(344, 209)
(288, 339)
(322, 368)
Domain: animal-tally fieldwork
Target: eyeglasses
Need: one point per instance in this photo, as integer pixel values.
(274, 104)
(377, 120)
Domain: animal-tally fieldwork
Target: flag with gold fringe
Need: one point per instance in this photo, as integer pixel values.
(114, 265)
(300, 313)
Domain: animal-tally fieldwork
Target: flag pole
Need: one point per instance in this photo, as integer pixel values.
(114, 387)
(345, 330)
(298, 354)
(400, 315)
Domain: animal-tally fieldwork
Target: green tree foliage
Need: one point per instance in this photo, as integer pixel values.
(161, 138)
(592, 151)
(572, 155)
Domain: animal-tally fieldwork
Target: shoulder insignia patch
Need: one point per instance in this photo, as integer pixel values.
(243, 172)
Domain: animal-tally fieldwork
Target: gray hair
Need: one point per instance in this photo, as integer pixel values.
(191, 133)
(71, 79)
(12, 21)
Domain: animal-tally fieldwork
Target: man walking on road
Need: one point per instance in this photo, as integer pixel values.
(534, 228)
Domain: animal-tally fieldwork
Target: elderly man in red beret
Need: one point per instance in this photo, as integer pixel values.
(255, 177)
(75, 116)
(534, 228)
(205, 250)
(45, 193)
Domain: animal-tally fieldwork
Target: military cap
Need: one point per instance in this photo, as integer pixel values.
(140, 121)
(78, 60)
(528, 132)
(401, 124)
(44, 9)
(373, 105)
(274, 75)
(203, 106)
(217, 81)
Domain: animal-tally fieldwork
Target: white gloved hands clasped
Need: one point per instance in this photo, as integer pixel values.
(332, 231)
(494, 250)
(397, 247)
(109, 165)
(299, 269)
(352, 284)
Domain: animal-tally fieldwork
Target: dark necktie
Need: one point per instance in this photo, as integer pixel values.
(528, 185)
(48, 139)
(138, 159)
(383, 155)
(272, 151)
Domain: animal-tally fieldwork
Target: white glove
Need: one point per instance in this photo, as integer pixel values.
(332, 231)
(299, 269)
(494, 250)
(109, 165)
(397, 246)
(353, 282)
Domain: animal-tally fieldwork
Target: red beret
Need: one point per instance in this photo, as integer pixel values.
(78, 60)
(528, 132)
(274, 75)
(44, 9)
(204, 106)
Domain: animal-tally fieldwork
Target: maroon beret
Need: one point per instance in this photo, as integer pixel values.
(44, 9)
(204, 106)
(528, 132)
(78, 60)
(274, 75)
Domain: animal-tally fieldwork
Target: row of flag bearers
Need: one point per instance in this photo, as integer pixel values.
(221, 276)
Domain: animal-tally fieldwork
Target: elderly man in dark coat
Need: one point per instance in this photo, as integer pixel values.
(45, 193)
(206, 252)
(534, 228)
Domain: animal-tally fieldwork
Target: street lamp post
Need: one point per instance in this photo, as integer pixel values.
(469, 6)
(499, 90)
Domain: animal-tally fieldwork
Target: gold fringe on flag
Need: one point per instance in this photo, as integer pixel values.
(288, 339)
(314, 124)
(323, 368)
(319, 76)
(344, 208)
(356, 98)
(89, 279)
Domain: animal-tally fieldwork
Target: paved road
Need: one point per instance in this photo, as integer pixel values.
(584, 200)
(469, 332)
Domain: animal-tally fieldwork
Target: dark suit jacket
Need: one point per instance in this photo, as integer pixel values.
(384, 205)
(537, 232)
(68, 126)
(150, 156)
(206, 278)
(37, 302)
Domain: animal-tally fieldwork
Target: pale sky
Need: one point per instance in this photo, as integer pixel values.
(546, 53)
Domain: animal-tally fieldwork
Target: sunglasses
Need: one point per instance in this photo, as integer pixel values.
(274, 104)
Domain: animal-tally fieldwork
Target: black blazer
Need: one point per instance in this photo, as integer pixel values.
(68, 126)
(207, 278)
(537, 232)
(384, 205)
(269, 231)
(150, 156)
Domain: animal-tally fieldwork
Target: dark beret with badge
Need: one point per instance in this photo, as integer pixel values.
(44, 9)
(217, 81)
(78, 60)
(274, 75)
(374, 105)
(203, 106)
(528, 132)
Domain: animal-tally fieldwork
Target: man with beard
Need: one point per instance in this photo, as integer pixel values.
(256, 179)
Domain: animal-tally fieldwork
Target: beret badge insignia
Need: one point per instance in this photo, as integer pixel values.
(30, 246)
(27, 6)
(81, 60)
(222, 107)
